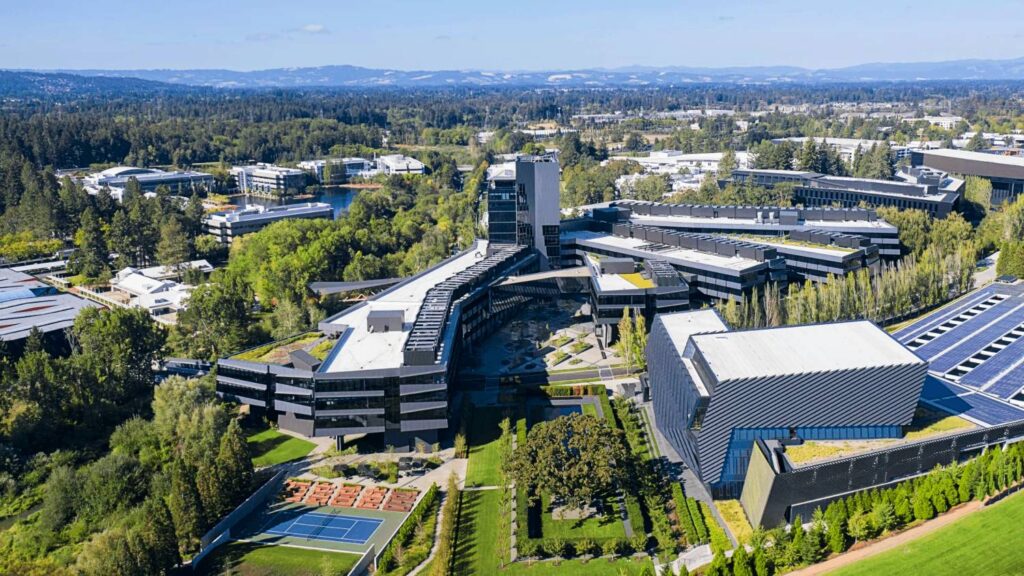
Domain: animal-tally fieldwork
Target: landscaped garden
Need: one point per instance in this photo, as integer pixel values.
(269, 447)
(599, 522)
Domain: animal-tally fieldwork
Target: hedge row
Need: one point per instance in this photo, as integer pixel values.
(698, 520)
(562, 548)
(443, 562)
(863, 516)
(686, 522)
(386, 562)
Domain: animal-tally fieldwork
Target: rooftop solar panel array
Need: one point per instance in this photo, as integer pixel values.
(425, 342)
(969, 344)
(940, 338)
(969, 403)
(992, 367)
(918, 328)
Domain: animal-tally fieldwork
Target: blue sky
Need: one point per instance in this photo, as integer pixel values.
(507, 35)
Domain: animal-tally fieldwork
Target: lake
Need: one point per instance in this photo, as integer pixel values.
(339, 198)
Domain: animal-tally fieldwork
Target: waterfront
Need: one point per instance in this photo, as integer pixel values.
(340, 198)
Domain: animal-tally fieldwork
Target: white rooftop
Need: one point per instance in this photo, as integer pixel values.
(1017, 161)
(632, 246)
(360, 349)
(682, 325)
(801, 350)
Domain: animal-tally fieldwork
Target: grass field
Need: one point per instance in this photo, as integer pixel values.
(604, 526)
(590, 410)
(270, 447)
(984, 542)
(246, 559)
(476, 553)
(484, 454)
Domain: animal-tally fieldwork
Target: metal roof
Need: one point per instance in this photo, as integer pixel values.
(800, 350)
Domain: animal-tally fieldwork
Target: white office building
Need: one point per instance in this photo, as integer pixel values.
(269, 180)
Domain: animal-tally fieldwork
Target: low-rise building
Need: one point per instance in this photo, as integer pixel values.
(181, 183)
(1005, 172)
(715, 392)
(648, 288)
(400, 164)
(27, 303)
(934, 192)
(159, 297)
(269, 180)
(338, 170)
(767, 223)
(674, 161)
(717, 267)
(395, 354)
(226, 226)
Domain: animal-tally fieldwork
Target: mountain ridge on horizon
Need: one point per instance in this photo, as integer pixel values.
(345, 75)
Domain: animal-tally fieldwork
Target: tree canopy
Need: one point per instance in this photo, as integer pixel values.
(574, 459)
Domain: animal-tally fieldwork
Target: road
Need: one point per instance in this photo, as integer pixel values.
(988, 274)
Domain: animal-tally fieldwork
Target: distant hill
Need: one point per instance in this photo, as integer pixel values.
(355, 76)
(23, 84)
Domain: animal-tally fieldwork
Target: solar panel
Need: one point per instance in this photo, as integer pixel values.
(918, 328)
(1009, 385)
(948, 359)
(941, 343)
(1002, 361)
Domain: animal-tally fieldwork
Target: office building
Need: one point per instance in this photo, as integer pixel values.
(180, 183)
(755, 221)
(341, 169)
(400, 164)
(653, 287)
(847, 148)
(269, 180)
(394, 356)
(673, 161)
(931, 191)
(27, 303)
(226, 226)
(715, 391)
(1005, 172)
(523, 205)
(716, 267)
(944, 121)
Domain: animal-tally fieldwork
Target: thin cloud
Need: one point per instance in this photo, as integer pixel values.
(313, 29)
(442, 38)
(261, 37)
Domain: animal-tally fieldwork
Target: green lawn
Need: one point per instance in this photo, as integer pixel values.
(247, 559)
(590, 410)
(597, 527)
(985, 542)
(477, 554)
(484, 454)
(271, 447)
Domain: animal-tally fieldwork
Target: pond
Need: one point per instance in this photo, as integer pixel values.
(340, 198)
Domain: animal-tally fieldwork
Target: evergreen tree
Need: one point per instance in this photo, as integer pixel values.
(91, 257)
(173, 248)
(234, 464)
(186, 509)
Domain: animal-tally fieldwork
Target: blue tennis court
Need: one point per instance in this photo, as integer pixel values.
(329, 527)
